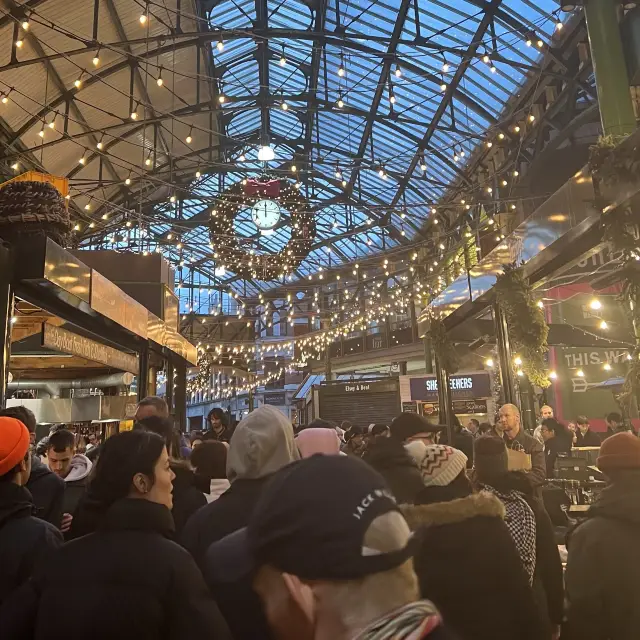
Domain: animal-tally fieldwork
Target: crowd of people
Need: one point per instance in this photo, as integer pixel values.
(399, 531)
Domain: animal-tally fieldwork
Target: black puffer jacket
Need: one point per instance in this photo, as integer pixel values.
(468, 566)
(25, 541)
(603, 568)
(392, 461)
(187, 497)
(47, 490)
(126, 581)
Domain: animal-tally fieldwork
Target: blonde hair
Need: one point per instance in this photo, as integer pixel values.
(357, 603)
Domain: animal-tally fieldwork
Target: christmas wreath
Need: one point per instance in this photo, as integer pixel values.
(229, 251)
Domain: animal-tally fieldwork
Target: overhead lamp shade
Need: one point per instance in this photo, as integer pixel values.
(266, 153)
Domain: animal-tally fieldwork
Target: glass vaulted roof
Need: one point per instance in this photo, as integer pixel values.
(375, 92)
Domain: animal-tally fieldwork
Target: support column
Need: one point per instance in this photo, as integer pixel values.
(445, 406)
(250, 400)
(168, 387)
(428, 355)
(414, 321)
(143, 373)
(6, 312)
(504, 355)
(327, 364)
(612, 82)
(180, 397)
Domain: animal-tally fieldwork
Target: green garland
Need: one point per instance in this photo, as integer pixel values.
(443, 348)
(527, 326)
(613, 163)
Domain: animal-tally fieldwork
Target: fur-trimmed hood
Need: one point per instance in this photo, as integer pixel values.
(440, 513)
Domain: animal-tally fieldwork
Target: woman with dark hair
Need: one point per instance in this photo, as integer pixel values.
(467, 564)
(529, 525)
(127, 580)
(209, 461)
(187, 497)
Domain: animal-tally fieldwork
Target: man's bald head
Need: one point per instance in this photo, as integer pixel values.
(510, 420)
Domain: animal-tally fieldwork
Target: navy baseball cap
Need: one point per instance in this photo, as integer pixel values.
(311, 521)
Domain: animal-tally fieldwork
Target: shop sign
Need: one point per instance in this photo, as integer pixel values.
(469, 406)
(356, 387)
(275, 399)
(409, 407)
(68, 342)
(463, 386)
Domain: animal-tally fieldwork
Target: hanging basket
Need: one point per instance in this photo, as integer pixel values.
(31, 209)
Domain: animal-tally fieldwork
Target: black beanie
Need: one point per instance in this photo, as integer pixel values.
(407, 425)
(490, 457)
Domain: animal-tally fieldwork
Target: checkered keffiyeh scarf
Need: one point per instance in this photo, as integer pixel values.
(412, 622)
(521, 523)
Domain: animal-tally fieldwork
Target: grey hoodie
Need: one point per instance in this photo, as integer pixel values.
(80, 468)
(261, 444)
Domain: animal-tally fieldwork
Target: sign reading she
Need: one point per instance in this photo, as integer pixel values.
(68, 342)
(463, 386)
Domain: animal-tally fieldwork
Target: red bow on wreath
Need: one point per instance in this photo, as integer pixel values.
(271, 189)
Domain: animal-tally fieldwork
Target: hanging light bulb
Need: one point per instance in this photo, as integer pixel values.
(189, 138)
(595, 304)
(4, 99)
(82, 160)
(284, 105)
(242, 157)
(485, 58)
(398, 71)
(143, 18)
(128, 181)
(445, 65)
(134, 113)
(198, 174)
(392, 98)
(96, 59)
(221, 98)
(160, 81)
(220, 45)
(41, 132)
(19, 43)
(283, 58)
(25, 25)
(338, 172)
(443, 86)
(172, 199)
(15, 166)
(340, 101)
(603, 324)
(341, 69)
(100, 144)
(423, 163)
(52, 124)
(77, 83)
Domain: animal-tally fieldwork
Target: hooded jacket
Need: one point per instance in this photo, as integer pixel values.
(603, 567)
(217, 486)
(47, 491)
(76, 482)
(394, 463)
(468, 566)
(126, 581)
(261, 444)
(25, 541)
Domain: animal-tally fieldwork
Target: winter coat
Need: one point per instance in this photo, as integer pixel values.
(261, 444)
(125, 581)
(603, 567)
(47, 491)
(552, 449)
(25, 541)
(187, 498)
(468, 566)
(76, 482)
(222, 436)
(589, 439)
(394, 463)
(548, 585)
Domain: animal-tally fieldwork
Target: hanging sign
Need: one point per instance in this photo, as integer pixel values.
(463, 386)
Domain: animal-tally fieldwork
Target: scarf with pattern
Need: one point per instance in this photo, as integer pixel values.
(411, 622)
(521, 523)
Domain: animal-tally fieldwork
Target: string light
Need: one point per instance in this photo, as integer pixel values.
(25, 25)
(283, 58)
(595, 304)
(19, 43)
(220, 45)
(189, 138)
(134, 113)
(143, 18)
(340, 101)
(96, 59)
(341, 69)
(398, 71)
(77, 83)
(159, 80)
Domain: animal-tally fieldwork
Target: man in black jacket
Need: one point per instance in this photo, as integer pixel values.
(585, 437)
(603, 567)
(24, 540)
(262, 444)
(45, 487)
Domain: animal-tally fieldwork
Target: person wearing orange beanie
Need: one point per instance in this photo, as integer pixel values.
(24, 539)
(603, 566)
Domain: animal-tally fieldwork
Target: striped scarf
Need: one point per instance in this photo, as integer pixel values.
(411, 622)
(521, 523)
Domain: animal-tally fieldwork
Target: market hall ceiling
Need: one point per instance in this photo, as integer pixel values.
(386, 109)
